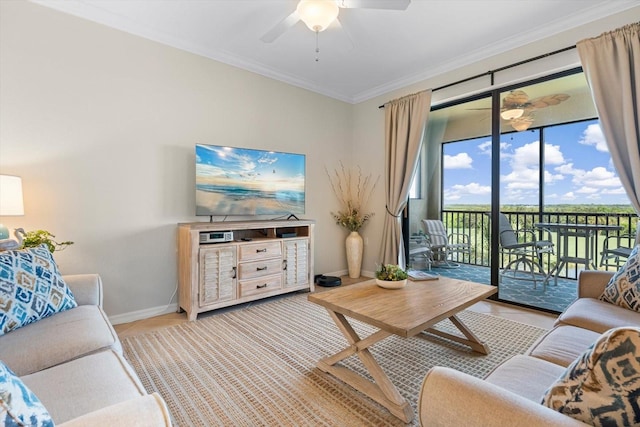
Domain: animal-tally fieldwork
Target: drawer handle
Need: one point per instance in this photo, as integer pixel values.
(284, 264)
(261, 286)
(235, 273)
(261, 250)
(261, 268)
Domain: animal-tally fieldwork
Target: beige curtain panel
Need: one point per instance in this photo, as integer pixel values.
(611, 63)
(405, 121)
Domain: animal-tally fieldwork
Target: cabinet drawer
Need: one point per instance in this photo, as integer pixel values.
(250, 270)
(260, 285)
(261, 250)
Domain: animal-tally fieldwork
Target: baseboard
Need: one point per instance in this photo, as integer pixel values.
(339, 273)
(132, 316)
(172, 308)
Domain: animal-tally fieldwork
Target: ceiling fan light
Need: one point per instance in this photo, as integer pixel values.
(317, 14)
(522, 123)
(511, 114)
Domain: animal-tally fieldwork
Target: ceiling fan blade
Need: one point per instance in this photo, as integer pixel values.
(549, 100)
(281, 27)
(375, 4)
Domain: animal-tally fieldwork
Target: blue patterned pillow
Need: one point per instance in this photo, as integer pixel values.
(18, 405)
(31, 288)
(602, 387)
(624, 287)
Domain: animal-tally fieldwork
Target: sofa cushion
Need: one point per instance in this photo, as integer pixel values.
(525, 376)
(563, 344)
(18, 405)
(602, 386)
(89, 383)
(624, 287)
(597, 316)
(31, 288)
(58, 339)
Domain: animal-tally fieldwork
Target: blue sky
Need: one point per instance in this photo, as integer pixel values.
(578, 168)
(246, 166)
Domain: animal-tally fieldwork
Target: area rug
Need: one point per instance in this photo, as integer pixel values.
(255, 365)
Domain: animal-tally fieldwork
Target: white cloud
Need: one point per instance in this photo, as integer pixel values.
(485, 148)
(587, 190)
(457, 192)
(459, 161)
(599, 177)
(593, 136)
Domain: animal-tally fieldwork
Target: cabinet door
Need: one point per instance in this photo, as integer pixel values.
(296, 262)
(217, 274)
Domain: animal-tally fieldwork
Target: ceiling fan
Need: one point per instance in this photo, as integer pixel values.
(319, 14)
(517, 108)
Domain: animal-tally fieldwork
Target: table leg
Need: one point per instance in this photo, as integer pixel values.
(471, 339)
(382, 390)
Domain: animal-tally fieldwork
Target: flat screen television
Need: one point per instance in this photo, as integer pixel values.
(243, 181)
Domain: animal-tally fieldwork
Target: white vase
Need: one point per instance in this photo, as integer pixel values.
(354, 246)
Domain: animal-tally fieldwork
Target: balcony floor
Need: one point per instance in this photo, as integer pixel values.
(555, 297)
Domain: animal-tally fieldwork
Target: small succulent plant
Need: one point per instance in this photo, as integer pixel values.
(390, 272)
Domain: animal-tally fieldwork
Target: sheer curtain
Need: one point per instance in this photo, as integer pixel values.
(611, 63)
(405, 120)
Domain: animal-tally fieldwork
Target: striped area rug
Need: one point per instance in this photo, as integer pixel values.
(255, 365)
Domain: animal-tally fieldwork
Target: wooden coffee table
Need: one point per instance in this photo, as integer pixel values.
(405, 312)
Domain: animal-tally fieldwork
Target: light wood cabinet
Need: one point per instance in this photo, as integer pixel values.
(265, 258)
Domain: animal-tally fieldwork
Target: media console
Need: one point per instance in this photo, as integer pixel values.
(265, 258)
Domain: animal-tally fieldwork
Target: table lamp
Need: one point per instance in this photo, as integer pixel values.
(11, 203)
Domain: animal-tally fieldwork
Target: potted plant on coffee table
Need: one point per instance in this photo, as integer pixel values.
(391, 276)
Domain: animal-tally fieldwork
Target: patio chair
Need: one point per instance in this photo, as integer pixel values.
(617, 251)
(527, 250)
(445, 246)
(420, 255)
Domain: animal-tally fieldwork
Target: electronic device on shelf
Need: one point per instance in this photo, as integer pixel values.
(243, 181)
(216, 237)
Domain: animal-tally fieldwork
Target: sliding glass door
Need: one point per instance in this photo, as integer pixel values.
(498, 167)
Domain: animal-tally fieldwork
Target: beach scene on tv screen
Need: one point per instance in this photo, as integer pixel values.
(240, 181)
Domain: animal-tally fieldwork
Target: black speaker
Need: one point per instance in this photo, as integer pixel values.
(327, 281)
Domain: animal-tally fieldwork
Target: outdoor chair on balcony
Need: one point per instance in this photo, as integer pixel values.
(420, 255)
(445, 248)
(614, 251)
(524, 252)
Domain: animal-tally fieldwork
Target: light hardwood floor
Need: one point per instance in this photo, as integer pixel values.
(531, 317)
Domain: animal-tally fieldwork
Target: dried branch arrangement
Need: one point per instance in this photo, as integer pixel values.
(353, 191)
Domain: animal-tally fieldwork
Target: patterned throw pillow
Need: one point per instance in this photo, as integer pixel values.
(18, 405)
(31, 288)
(602, 387)
(624, 287)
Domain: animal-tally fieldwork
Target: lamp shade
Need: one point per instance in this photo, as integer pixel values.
(317, 14)
(11, 195)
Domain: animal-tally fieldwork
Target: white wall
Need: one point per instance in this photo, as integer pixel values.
(368, 119)
(101, 125)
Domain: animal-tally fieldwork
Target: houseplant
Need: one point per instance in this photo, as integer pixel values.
(391, 276)
(35, 238)
(353, 191)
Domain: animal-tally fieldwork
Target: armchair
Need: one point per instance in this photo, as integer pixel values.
(443, 245)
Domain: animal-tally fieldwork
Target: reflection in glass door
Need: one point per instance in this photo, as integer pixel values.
(453, 185)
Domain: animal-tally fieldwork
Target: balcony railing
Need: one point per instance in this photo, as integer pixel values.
(478, 226)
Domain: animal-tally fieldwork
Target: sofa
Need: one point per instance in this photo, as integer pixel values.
(511, 395)
(72, 361)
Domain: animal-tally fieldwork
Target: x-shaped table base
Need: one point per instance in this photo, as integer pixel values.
(382, 390)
